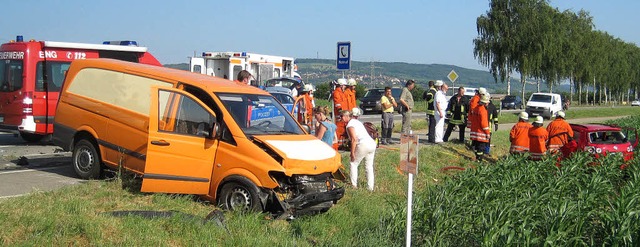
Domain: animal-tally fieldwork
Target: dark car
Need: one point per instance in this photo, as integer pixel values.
(512, 102)
(370, 102)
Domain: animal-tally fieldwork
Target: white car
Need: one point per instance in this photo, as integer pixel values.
(635, 103)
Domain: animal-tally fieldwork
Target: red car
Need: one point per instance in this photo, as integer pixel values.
(600, 140)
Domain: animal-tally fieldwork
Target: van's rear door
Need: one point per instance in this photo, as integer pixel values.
(179, 157)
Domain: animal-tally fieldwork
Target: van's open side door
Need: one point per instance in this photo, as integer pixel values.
(179, 154)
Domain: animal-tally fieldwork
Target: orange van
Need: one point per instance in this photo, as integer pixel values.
(188, 133)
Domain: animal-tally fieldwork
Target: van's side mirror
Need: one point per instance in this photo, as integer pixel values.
(555, 102)
(207, 131)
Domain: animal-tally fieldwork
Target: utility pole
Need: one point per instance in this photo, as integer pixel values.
(372, 66)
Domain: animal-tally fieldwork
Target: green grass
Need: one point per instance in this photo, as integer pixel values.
(451, 208)
(582, 112)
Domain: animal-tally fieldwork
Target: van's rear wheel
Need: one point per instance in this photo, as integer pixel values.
(29, 137)
(86, 160)
(239, 196)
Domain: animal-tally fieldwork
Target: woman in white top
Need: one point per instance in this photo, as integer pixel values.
(362, 147)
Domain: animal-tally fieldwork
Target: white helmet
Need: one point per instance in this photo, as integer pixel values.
(524, 116)
(539, 120)
(342, 81)
(560, 114)
(486, 98)
(352, 82)
(308, 88)
(482, 90)
(356, 112)
(438, 83)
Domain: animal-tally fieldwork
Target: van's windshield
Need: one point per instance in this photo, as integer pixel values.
(540, 98)
(260, 114)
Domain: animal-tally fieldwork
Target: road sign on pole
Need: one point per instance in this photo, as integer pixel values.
(343, 61)
(452, 77)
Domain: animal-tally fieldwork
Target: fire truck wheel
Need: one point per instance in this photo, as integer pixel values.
(86, 160)
(239, 195)
(28, 137)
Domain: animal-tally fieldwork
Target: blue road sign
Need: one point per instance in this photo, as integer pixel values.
(343, 61)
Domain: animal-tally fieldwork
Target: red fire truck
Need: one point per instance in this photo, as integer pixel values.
(31, 74)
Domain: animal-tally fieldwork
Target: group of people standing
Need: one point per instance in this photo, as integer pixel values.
(537, 140)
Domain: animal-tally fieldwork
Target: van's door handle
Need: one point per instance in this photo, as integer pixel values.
(160, 143)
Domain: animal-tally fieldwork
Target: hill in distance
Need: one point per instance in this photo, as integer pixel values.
(317, 71)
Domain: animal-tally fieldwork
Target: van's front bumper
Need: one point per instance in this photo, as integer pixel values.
(306, 194)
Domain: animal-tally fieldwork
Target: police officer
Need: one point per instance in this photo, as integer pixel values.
(457, 114)
(429, 96)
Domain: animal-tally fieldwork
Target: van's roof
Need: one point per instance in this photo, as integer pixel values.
(209, 83)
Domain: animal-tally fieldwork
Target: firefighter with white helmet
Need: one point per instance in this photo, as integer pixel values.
(538, 137)
(519, 135)
(339, 104)
(305, 103)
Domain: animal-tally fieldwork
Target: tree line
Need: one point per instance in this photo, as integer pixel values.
(545, 44)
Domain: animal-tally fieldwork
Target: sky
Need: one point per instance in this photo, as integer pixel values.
(421, 31)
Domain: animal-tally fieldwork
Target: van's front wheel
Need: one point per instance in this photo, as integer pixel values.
(239, 196)
(86, 161)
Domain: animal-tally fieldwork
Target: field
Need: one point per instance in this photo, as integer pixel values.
(511, 201)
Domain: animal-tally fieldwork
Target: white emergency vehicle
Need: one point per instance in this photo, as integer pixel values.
(228, 64)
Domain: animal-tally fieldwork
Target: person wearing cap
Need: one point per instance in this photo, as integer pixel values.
(457, 110)
(428, 97)
(538, 137)
(325, 130)
(406, 104)
(480, 131)
(519, 135)
(440, 106)
(350, 93)
(340, 104)
(560, 133)
(387, 103)
(362, 147)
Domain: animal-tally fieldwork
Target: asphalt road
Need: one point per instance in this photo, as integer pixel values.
(29, 168)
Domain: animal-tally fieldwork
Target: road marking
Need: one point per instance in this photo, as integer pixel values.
(30, 170)
(4, 197)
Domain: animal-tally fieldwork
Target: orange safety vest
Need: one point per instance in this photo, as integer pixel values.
(472, 105)
(480, 124)
(350, 98)
(339, 101)
(559, 133)
(519, 137)
(538, 137)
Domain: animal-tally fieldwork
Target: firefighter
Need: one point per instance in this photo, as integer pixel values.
(538, 137)
(340, 104)
(519, 135)
(350, 93)
(428, 96)
(480, 130)
(306, 103)
(560, 133)
(492, 110)
(457, 114)
(473, 102)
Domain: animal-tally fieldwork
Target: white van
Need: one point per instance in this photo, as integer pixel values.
(544, 104)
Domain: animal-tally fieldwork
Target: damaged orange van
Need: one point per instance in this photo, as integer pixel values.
(188, 133)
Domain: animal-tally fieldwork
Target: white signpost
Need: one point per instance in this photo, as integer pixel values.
(409, 164)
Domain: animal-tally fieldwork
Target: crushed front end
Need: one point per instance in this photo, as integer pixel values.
(304, 194)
